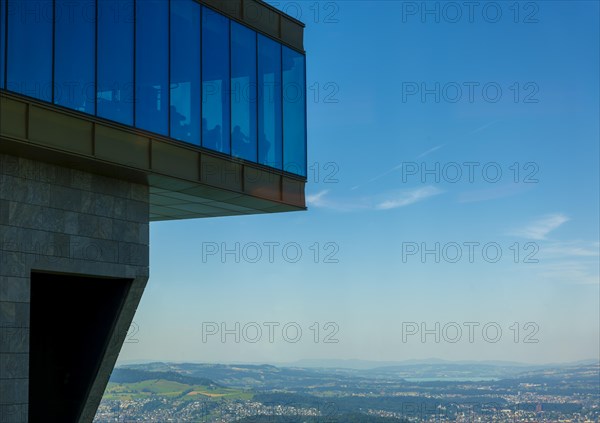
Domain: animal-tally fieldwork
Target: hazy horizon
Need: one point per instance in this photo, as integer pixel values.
(307, 362)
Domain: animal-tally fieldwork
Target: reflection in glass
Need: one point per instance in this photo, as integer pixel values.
(115, 60)
(269, 103)
(215, 82)
(185, 71)
(2, 40)
(243, 92)
(294, 112)
(74, 57)
(152, 66)
(30, 48)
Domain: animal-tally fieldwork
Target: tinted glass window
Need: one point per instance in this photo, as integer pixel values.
(269, 103)
(2, 40)
(294, 112)
(152, 66)
(30, 48)
(215, 82)
(115, 60)
(171, 67)
(74, 56)
(185, 71)
(243, 92)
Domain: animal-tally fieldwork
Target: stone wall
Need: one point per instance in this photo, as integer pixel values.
(56, 219)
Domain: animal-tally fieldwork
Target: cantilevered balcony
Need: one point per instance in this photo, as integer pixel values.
(205, 101)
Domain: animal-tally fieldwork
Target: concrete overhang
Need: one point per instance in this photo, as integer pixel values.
(263, 18)
(185, 181)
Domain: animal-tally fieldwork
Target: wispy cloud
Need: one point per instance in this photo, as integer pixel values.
(381, 175)
(542, 227)
(420, 156)
(571, 249)
(493, 193)
(322, 200)
(397, 167)
(484, 127)
(386, 201)
(405, 198)
(571, 262)
(317, 199)
(571, 272)
(431, 150)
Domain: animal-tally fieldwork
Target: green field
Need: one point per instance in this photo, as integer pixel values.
(153, 388)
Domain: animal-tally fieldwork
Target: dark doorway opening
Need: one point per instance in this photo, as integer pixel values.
(72, 319)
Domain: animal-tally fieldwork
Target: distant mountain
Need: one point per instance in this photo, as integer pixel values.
(259, 377)
(367, 364)
(245, 376)
(356, 364)
(588, 374)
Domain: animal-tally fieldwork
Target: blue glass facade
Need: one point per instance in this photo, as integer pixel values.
(171, 67)
(216, 110)
(29, 49)
(269, 103)
(294, 104)
(2, 43)
(114, 94)
(243, 93)
(152, 66)
(185, 71)
(74, 55)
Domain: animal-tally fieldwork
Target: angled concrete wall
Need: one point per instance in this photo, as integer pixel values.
(56, 219)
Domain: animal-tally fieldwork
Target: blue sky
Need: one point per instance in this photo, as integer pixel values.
(371, 133)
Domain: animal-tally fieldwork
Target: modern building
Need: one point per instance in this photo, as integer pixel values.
(114, 114)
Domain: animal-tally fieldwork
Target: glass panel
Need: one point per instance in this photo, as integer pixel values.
(243, 92)
(294, 112)
(152, 66)
(269, 102)
(185, 71)
(2, 40)
(115, 60)
(30, 48)
(215, 81)
(74, 54)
